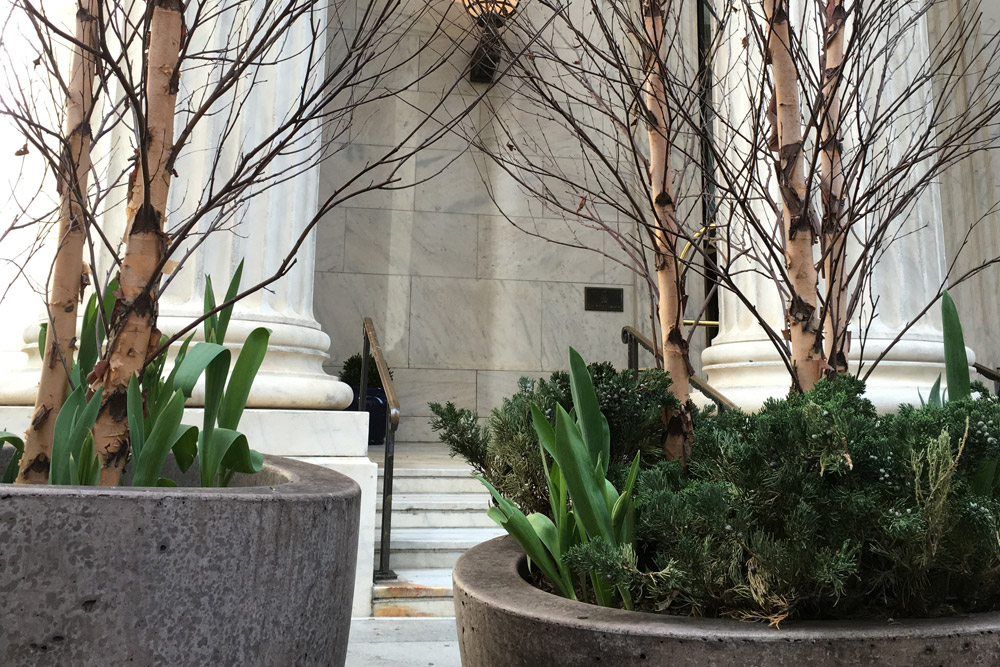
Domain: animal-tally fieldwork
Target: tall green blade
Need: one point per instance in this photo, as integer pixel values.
(222, 325)
(10, 472)
(136, 426)
(593, 424)
(86, 355)
(586, 486)
(244, 372)
(61, 432)
(956, 364)
(211, 323)
(161, 440)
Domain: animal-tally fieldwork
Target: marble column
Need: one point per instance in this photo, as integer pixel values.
(742, 362)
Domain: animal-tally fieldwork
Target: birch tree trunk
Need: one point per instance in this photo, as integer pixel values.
(65, 289)
(800, 232)
(680, 428)
(133, 323)
(837, 336)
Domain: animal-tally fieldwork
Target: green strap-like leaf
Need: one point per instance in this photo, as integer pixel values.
(213, 451)
(211, 359)
(593, 424)
(185, 447)
(43, 329)
(240, 458)
(211, 323)
(586, 489)
(934, 399)
(10, 472)
(59, 466)
(240, 382)
(161, 439)
(511, 519)
(73, 424)
(956, 364)
(136, 425)
(197, 359)
(222, 324)
(546, 436)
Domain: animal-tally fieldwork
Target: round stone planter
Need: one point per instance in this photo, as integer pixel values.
(261, 573)
(505, 621)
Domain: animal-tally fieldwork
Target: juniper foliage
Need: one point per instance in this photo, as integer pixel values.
(505, 451)
(817, 507)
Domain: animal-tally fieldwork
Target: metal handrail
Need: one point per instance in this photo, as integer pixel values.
(989, 374)
(372, 348)
(633, 338)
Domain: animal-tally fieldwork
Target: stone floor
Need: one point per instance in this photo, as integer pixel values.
(403, 642)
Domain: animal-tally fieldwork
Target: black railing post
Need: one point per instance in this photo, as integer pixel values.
(385, 540)
(363, 390)
(373, 349)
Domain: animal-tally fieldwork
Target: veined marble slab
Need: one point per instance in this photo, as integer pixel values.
(459, 323)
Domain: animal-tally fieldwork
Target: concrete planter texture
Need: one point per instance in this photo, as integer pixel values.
(261, 573)
(505, 621)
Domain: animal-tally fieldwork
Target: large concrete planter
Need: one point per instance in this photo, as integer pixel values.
(505, 621)
(261, 573)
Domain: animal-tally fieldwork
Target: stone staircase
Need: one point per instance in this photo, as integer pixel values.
(438, 511)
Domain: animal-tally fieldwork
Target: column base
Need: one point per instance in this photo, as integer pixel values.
(291, 376)
(750, 372)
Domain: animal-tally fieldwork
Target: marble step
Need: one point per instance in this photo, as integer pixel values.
(425, 592)
(433, 548)
(438, 510)
(431, 480)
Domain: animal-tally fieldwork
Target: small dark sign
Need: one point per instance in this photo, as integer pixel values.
(604, 299)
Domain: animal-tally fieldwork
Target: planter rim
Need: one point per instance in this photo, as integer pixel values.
(491, 572)
(292, 479)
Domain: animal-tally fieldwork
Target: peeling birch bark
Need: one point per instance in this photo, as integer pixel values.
(808, 361)
(133, 323)
(680, 428)
(836, 334)
(67, 269)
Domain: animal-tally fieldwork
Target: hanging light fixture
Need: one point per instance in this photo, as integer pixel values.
(490, 15)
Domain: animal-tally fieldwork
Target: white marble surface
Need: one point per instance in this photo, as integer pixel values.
(346, 298)
(415, 429)
(409, 243)
(368, 164)
(595, 335)
(459, 323)
(415, 387)
(529, 249)
(330, 241)
(413, 118)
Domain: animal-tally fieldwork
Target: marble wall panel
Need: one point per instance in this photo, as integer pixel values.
(354, 159)
(408, 243)
(595, 335)
(415, 429)
(444, 61)
(519, 249)
(330, 241)
(411, 119)
(473, 324)
(620, 267)
(463, 182)
(416, 387)
(343, 300)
